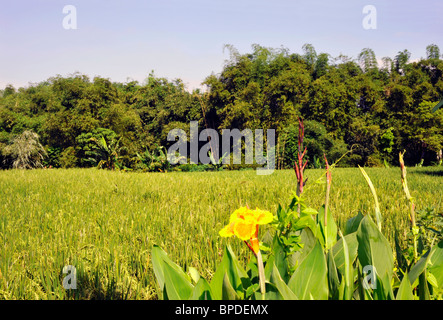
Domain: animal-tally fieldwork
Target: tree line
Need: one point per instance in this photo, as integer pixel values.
(364, 109)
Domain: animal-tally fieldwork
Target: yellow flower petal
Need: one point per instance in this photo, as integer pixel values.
(227, 231)
(263, 217)
(240, 213)
(245, 229)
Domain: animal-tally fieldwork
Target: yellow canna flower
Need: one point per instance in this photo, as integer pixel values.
(244, 223)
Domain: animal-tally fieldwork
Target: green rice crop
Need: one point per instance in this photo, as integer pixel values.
(105, 222)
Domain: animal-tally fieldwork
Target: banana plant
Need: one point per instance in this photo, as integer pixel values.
(106, 153)
(156, 160)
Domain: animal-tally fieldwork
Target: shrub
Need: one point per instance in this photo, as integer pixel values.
(68, 158)
(25, 151)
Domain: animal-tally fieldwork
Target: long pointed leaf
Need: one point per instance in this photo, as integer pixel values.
(202, 291)
(159, 259)
(348, 271)
(333, 280)
(281, 286)
(177, 286)
(374, 194)
(331, 230)
(405, 290)
(374, 250)
(338, 251)
(310, 278)
(234, 271)
(435, 266)
(228, 292)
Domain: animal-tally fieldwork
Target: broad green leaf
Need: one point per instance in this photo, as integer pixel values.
(157, 255)
(235, 273)
(353, 223)
(348, 271)
(418, 268)
(228, 292)
(194, 274)
(308, 212)
(250, 291)
(374, 250)
(202, 291)
(310, 278)
(272, 293)
(333, 280)
(281, 213)
(431, 262)
(435, 265)
(405, 290)
(177, 285)
(383, 291)
(280, 259)
(331, 227)
(423, 289)
(432, 280)
(303, 222)
(338, 251)
(401, 260)
(268, 268)
(281, 286)
(309, 240)
(159, 258)
(252, 268)
(341, 290)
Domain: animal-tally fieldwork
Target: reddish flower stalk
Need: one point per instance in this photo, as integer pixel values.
(253, 243)
(328, 188)
(299, 166)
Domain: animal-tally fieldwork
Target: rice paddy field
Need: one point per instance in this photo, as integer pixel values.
(104, 223)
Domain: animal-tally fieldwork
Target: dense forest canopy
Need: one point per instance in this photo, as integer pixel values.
(375, 109)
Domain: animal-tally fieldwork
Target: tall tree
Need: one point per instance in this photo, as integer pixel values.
(310, 55)
(321, 65)
(367, 59)
(432, 51)
(387, 64)
(401, 60)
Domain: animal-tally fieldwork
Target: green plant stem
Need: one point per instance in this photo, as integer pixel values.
(326, 215)
(261, 275)
(404, 182)
(298, 193)
(328, 189)
(414, 229)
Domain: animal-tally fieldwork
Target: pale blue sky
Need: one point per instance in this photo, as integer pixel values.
(184, 39)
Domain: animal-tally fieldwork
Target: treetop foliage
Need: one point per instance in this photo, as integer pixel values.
(377, 110)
